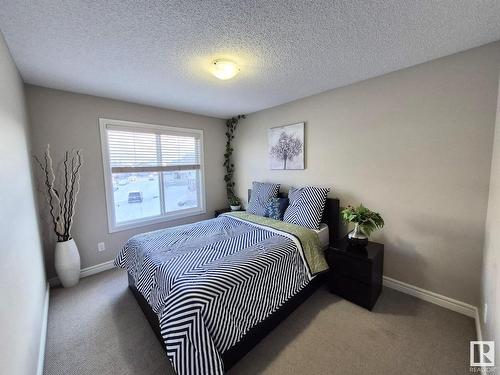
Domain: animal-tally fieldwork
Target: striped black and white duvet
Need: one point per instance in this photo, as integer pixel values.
(210, 282)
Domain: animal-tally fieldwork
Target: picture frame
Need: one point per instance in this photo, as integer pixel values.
(286, 147)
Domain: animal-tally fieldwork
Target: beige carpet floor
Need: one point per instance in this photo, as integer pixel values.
(98, 328)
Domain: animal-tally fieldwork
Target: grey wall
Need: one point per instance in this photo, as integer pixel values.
(22, 276)
(67, 120)
(491, 257)
(414, 145)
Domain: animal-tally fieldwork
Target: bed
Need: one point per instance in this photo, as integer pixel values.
(212, 290)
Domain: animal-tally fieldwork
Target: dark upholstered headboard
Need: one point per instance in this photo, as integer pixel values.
(331, 215)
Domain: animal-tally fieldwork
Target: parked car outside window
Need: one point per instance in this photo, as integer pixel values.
(135, 197)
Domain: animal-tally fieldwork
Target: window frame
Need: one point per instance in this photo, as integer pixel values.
(108, 176)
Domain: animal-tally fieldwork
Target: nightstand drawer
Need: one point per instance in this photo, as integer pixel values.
(355, 291)
(356, 273)
(353, 268)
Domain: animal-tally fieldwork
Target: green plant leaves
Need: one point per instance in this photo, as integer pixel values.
(368, 220)
(228, 177)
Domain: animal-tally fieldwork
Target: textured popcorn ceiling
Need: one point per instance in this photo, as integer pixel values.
(158, 52)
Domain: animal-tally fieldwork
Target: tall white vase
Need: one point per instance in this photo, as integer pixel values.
(67, 262)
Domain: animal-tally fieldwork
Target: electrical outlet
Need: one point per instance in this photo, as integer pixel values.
(485, 313)
(101, 246)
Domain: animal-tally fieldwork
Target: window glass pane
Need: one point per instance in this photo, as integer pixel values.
(136, 196)
(181, 190)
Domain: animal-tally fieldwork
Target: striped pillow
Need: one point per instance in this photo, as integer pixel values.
(261, 192)
(306, 206)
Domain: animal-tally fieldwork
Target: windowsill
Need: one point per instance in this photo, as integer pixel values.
(155, 220)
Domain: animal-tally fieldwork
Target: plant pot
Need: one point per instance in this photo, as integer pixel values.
(235, 208)
(67, 263)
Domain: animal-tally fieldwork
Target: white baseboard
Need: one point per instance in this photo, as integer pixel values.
(43, 332)
(477, 320)
(92, 270)
(435, 298)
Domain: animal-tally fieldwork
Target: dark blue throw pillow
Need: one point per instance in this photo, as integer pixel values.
(276, 207)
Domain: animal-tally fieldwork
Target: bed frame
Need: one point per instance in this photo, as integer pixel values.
(259, 331)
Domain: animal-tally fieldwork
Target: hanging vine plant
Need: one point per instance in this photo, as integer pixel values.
(231, 125)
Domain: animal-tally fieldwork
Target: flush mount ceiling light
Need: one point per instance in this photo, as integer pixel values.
(224, 69)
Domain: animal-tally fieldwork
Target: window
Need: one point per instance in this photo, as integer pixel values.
(152, 173)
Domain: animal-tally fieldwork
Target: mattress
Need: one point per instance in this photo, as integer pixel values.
(324, 235)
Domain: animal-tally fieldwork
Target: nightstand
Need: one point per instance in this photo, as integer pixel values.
(355, 274)
(221, 211)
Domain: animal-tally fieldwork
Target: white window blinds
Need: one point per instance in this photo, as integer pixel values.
(148, 150)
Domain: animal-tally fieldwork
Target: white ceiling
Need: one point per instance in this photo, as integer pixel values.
(158, 52)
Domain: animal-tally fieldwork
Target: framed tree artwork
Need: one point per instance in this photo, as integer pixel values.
(286, 147)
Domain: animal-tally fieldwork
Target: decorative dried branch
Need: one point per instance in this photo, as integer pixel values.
(62, 206)
(75, 188)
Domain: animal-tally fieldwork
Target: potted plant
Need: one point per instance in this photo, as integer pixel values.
(233, 200)
(365, 222)
(234, 203)
(61, 197)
